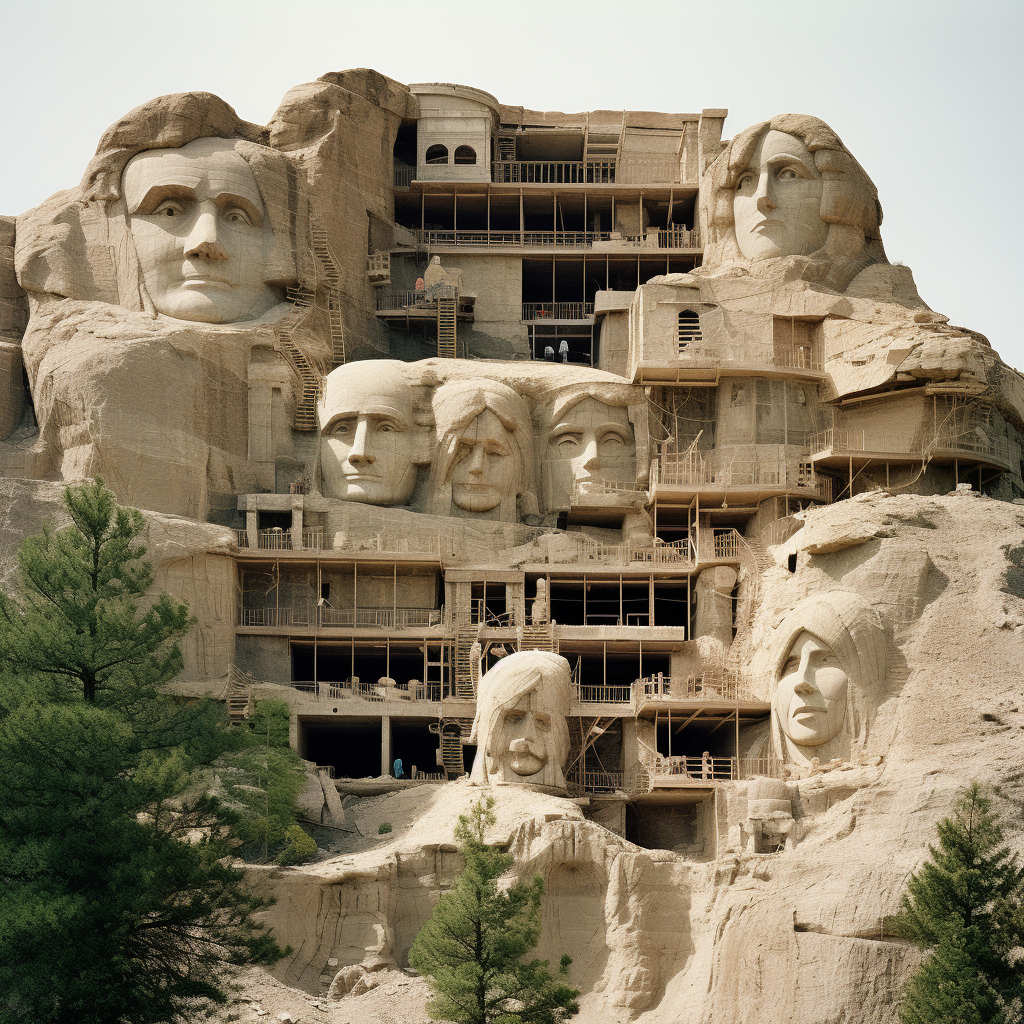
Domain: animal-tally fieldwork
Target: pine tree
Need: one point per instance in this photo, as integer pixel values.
(965, 905)
(472, 948)
(118, 901)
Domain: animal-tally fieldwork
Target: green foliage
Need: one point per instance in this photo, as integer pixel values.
(270, 722)
(965, 905)
(299, 846)
(118, 902)
(472, 948)
(384, 828)
(79, 623)
(261, 784)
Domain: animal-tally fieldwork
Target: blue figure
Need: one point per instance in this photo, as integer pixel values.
(398, 768)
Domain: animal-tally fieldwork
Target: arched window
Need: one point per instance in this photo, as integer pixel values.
(688, 331)
(465, 155)
(437, 154)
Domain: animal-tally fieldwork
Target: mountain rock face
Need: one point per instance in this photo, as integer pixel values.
(794, 935)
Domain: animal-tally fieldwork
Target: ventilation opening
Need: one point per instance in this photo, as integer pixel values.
(688, 331)
(792, 563)
(465, 155)
(437, 155)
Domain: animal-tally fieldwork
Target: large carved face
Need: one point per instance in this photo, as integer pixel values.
(810, 698)
(590, 443)
(483, 468)
(200, 231)
(367, 440)
(777, 205)
(520, 728)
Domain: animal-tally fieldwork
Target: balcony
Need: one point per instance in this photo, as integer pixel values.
(838, 447)
(307, 614)
(553, 172)
(604, 241)
(686, 356)
(717, 477)
(557, 311)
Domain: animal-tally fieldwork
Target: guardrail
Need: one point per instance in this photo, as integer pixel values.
(557, 310)
(714, 473)
(553, 172)
(416, 298)
(661, 238)
(404, 176)
(595, 782)
(587, 694)
(702, 354)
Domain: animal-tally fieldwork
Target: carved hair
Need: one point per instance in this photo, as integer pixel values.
(848, 197)
(852, 629)
(456, 405)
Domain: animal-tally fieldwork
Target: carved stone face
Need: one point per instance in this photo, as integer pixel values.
(777, 205)
(591, 443)
(199, 227)
(810, 699)
(526, 739)
(483, 468)
(367, 444)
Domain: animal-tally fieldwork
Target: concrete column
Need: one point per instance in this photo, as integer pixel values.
(630, 747)
(297, 527)
(252, 527)
(385, 744)
(714, 603)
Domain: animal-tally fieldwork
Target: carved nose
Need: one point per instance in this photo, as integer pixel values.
(804, 687)
(360, 453)
(589, 458)
(202, 242)
(476, 460)
(765, 202)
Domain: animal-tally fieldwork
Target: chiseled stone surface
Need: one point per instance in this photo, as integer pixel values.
(198, 323)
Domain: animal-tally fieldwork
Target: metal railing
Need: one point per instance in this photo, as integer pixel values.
(557, 310)
(712, 769)
(587, 694)
(585, 491)
(663, 238)
(553, 172)
(704, 354)
(595, 782)
(416, 298)
(718, 472)
(275, 539)
(404, 176)
(379, 618)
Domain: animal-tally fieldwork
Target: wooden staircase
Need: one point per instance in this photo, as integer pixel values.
(305, 407)
(465, 674)
(238, 696)
(452, 732)
(446, 327)
(506, 145)
(537, 638)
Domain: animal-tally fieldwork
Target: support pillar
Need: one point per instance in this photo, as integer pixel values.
(385, 744)
(252, 528)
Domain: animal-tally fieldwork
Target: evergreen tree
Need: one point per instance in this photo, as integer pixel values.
(118, 901)
(965, 905)
(472, 948)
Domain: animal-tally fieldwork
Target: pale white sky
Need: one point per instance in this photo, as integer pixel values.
(926, 93)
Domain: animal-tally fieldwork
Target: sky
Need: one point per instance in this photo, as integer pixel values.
(925, 94)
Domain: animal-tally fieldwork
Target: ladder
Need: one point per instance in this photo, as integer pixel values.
(337, 329)
(451, 733)
(465, 675)
(446, 315)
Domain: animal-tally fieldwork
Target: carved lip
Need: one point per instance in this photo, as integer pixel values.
(769, 224)
(206, 281)
(349, 477)
(806, 709)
